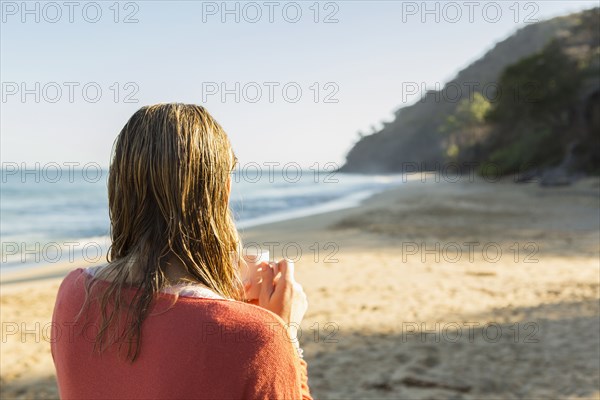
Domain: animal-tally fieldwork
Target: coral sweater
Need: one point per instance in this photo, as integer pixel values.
(192, 348)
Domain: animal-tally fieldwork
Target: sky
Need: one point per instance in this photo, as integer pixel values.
(291, 82)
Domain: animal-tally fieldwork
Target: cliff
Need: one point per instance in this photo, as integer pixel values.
(419, 136)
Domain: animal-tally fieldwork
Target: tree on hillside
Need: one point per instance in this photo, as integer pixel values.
(533, 111)
(465, 128)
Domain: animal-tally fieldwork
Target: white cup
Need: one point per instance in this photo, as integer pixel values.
(253, 257)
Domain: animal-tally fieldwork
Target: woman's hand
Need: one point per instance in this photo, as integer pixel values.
(251, 277)
(281, 294)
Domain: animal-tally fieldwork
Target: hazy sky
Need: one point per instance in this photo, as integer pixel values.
(286, 85)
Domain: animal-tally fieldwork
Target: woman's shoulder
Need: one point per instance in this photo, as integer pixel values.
(77, 274)
(239, 323)
(71, 279)
(236, 316)
(74, 281)
(258, 331)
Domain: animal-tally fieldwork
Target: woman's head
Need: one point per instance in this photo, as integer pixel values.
(168, 193)
(168, 189)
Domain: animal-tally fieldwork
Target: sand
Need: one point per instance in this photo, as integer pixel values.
(409, 296)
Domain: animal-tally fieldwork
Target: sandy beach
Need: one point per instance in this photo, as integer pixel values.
(435, 290)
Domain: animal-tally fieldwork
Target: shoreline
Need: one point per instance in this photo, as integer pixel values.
(73, 248)
(351, 201)
(41, 270)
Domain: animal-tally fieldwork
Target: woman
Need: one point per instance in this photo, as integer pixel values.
(167, 317)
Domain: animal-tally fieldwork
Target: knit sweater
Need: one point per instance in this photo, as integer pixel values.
(190, 348)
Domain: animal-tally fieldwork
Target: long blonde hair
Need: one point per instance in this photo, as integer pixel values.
(168, 198)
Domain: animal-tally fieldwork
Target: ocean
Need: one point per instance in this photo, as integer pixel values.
(48, 218)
